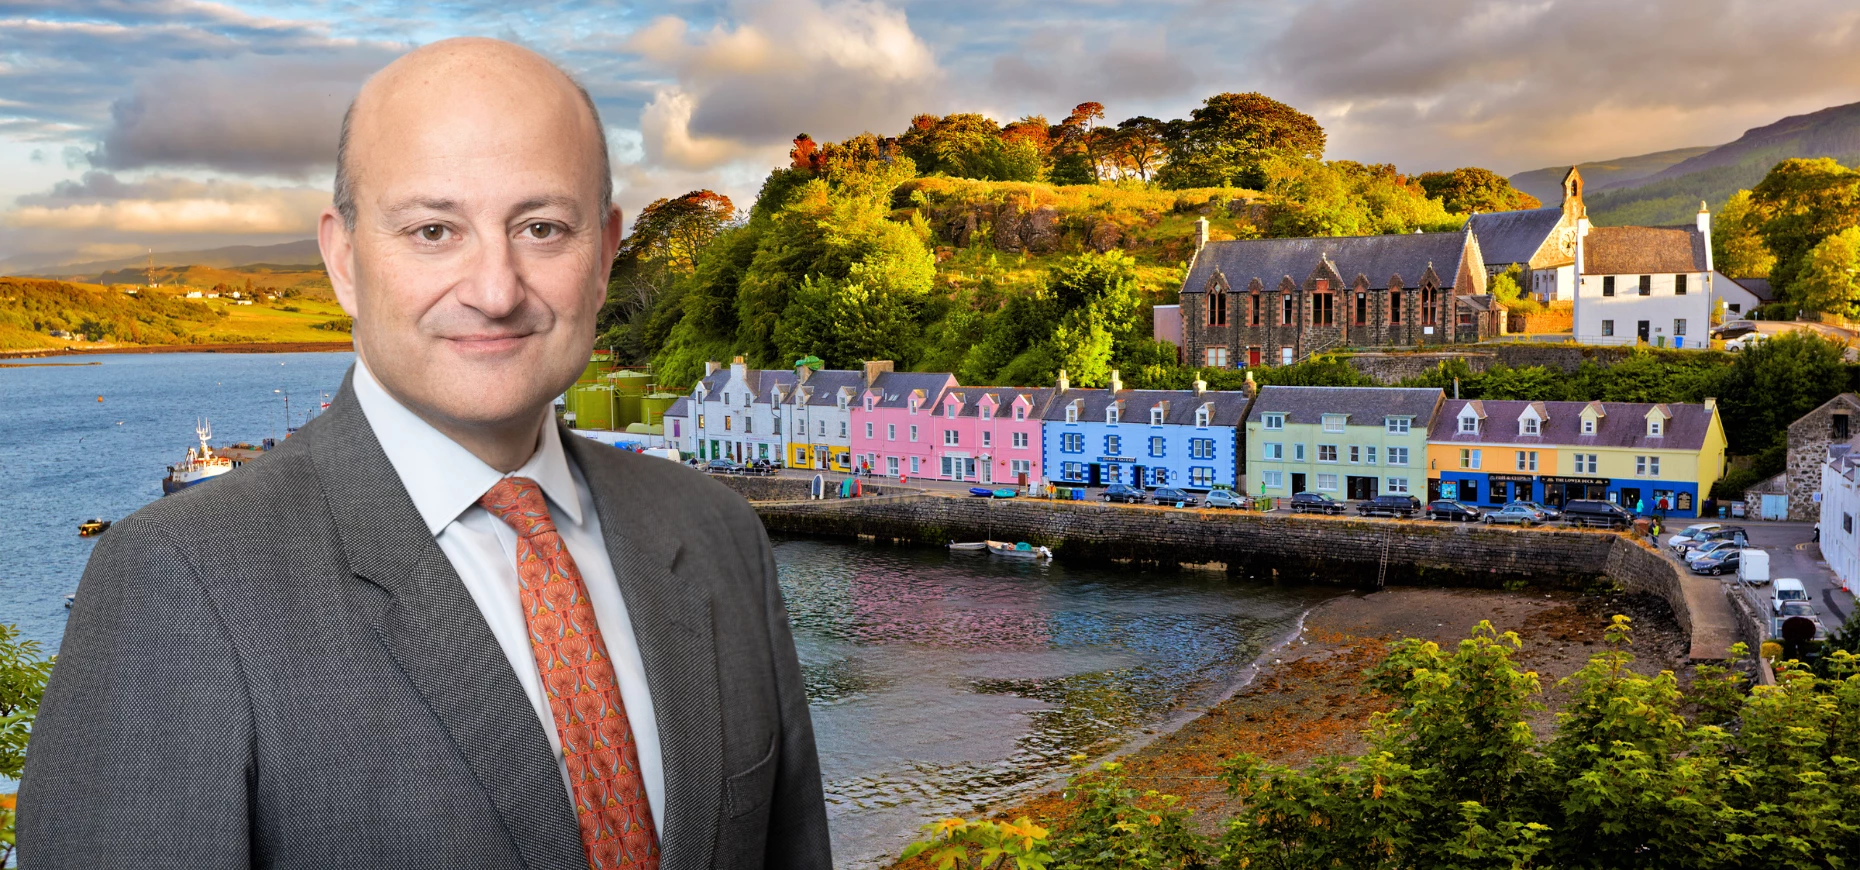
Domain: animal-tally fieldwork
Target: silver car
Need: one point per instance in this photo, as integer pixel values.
(1514, 513)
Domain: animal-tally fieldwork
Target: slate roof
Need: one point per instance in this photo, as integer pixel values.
(680, 408)
(826, 385)
(1507, 237)
(1004, 400)
(766, 380)
(1229, 406)
(1623, 424)
(1365, 406)
(1643, 250)
(895, 387)
(715, 380)
(1376, 258)
(1758, 287)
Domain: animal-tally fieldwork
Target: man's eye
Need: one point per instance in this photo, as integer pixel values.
(541, 230)
(433, 233)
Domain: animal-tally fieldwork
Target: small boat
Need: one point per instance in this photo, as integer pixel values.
(1005, 493)
(968, 546)
(981, 491)
(199, 466)
(92, 528)
(70, 600)
(1022, 550)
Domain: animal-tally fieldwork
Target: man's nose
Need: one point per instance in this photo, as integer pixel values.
(493, 288)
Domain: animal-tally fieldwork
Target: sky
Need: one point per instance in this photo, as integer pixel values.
(181, 124)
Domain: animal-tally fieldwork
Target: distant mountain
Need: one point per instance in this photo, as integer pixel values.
(1670, 194)
(1547, 184)
(298, 253)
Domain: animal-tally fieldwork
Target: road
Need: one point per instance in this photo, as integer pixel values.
(1793, 553)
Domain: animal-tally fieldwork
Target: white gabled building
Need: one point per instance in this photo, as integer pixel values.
(731, 417)
(1840, 513)
(817, 410)
(1649, 284)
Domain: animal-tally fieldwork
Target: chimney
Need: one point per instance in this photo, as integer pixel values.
(1062, 384)
(1201, 386)
(739, 369)
(711, 367)
(1711, 404)
(1117, 383)
(1250, 387)
(801, 374)
(874, 368)
(1201, 233)
(1456, 390)
(1705, 231)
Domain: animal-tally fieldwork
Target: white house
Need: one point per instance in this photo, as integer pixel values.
(727, 420)
(1740, 296)
(1840, 512)
(1649, 284)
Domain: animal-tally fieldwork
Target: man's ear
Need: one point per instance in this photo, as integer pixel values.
(338, 250)
(610, 234)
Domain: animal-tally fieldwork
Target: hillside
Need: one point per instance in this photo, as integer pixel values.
(292, 280)
(65, 265)
(32, 309)
(1547, 183)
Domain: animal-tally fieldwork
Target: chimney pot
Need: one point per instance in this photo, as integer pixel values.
(1062, 384)
(1117, 383)
(711, 367)
(1201, 233)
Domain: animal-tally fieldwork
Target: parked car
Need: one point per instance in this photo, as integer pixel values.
(722, 466)
(1315, 503)
(1227, 498)
(1694, 532)
(1734, 534)
(1124, 493)
(1707, 549)
(1513, 513)
(1551, 514)
(1793, 611)
(1594, 512)
(1174, 496)
(1787, 589)
(1454, 511)
(1724, 561)
(759, 466)
(1403, 506)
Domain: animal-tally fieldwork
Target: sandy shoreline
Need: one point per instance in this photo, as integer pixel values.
(234, 347)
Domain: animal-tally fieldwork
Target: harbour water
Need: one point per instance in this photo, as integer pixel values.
(938, 681)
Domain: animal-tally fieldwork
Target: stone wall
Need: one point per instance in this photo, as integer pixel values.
(765, 488)
(1392, 367)
(1809, 439)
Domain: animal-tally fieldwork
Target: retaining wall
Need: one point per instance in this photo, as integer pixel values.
(1390, 368)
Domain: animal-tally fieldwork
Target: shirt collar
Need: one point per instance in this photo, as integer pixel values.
(443, 478)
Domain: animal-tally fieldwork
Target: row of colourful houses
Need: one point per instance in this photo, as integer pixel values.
(1347, 442)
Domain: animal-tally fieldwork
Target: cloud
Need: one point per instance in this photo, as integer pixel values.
(791, 66)
(168, 205)
(1071, 65)
(1437, 82)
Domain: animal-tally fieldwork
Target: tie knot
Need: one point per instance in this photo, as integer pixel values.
(518, 501)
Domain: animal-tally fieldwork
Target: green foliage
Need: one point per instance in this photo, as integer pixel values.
(1229, 141)
(1345, 198)
(1118, 828)
(1470, 188)
(961, 844)
(1317, 371)
(1829, 279)
(23, 672)
(1737, 248)
(30, 305)
(1801, 202)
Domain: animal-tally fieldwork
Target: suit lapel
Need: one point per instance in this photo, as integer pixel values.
(671, 616)
(440, 640)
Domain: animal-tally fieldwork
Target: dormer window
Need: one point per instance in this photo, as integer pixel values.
(1588, 425)
(1156, 416)
(1072, 413)
(1527, 426)
(1469, 425)
(1020, 412)
(1110, 415)
(1655, 428)
(986, 412)
(1274, 422)
(1201, 418)
(1334, 422)
(868, 403)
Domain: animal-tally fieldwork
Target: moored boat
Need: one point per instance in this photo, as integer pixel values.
(968, 546)
(1005, 493)
(93, 527)
(981, 491)
(199, 466)
(1022, 550)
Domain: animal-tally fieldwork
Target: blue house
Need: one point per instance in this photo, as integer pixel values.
(1183, 438)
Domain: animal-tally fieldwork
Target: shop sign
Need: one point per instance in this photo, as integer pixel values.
(1512, 478)
(1582, 481)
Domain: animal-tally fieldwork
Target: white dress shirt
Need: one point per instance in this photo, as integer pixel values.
(446, 481)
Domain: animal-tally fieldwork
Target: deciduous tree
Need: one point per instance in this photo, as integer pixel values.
(1737, 246)
(1231, 138)
(1801, 202)
(1470, 188)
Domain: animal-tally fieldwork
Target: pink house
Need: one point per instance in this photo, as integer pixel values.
(989, 435)
(893, 426)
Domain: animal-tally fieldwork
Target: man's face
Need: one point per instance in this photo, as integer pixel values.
(479, 256)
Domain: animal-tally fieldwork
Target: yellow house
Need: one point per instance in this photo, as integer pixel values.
(1661, 458)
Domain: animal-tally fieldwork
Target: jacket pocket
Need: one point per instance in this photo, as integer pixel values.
(747, 792)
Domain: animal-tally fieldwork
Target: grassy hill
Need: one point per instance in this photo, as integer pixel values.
(303, 252)
(1547, 183)
(31, 309)
(295, 280)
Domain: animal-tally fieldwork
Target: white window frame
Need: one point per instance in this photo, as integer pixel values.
(1356, 454)
(1020, 440)
(988, 438)
(868, 430)
(1527, 460)
(1298, 452)
(1470, 458)
(1588, 425)
(1272, 422)
(1528, 426)
(1323, 480)
(1110, 416)
(1156, 416)
(916, 464)
(1158, 446)
(1201, 418)
(1272, 451)
(1072, 413)
(1398, 485)
(1655, 428)
(1272, 479)
(1335, 422)
(1396, 425)
(1323, 448)
(891, 431)
(1369, 454)
(952, 438)
(913, 433)
(1398, 456)
(1469, 424)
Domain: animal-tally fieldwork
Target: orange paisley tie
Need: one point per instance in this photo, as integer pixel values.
(584, 695)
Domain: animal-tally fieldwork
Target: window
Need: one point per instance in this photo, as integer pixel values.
(1255, 317)
(1321, 314)
(1465, 318)
(1469, 425)
(1072, 470)
(1398, 486)
(891, 431)
(916, 464)
(1334, 422)
(1588, 425)
(746, 400)
(1156, 445)
(842, 428)
(1469, 458)
(1020, 440)
(1201, 418)
(1356, 455)
(1272, 479)
(1298, 452)
(951, 438)
(1394, 306)
(749, 425)
(728, 422)
(868, 430)
(913, 434)
(1608, 327)
(1369, 455)
(1679, 285)
(1736, 308)
(1156, 416)
(1274, 422)
(1200, 448)
(1217, 309)
(1398, 456)
(1679, 326)
(1327, 483)
(1585, 463)
(985, 412)
(1285, 355)
(1113, 445)
(778, 427)
(1396, 425)
(988, 438)
(1285, 316)
(1362, 308)
(1217, 357)
(700, 421)
(1646, 285)
(1272, 451)
(1646, 466)
(822, 429)
(1020, 466)
(891, 466)
(1608, 286)
(1527, 460)
(1847, 523)
(1110, 416)
(1072, 413)
(1072, 442)
(1837, 427)
(1654, 428)
(1527, 426)
(1198, 476)
(1327, 453)
(1020, 412)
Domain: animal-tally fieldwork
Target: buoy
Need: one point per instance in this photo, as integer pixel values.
(99, 398)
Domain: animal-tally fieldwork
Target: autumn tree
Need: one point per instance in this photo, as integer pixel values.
(1071, 159)
(1346, 198)
(1140, 147)
(1229, 141)
(1801, 202)
(1470, 188)
(1737, 246)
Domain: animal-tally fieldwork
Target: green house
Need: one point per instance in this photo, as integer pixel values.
(1344, 442)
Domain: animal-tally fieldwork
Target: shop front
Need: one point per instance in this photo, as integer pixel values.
(1658, 497)
(1559, 490)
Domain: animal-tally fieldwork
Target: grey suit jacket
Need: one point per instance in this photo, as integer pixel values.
(281, 669)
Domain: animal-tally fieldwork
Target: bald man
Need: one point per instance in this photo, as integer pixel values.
(434, 629)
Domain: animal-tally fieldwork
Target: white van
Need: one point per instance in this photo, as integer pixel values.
(1787, 589)
(1753, 567)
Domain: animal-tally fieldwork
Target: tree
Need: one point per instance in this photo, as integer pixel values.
(23, 672)
(1737, 247)
(1470, 188)
(1830, 277)
(1346, 198)
(1801, 202)
(971, 146)
(1230, 139)
(1140, 146)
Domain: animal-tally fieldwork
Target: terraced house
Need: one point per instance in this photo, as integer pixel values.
(892, 425)
(989, 434)
(1345, 442)
(732, 416)
(1184, 438)
(817, 415)
(1658, 458)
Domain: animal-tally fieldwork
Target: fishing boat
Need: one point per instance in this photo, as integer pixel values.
(981, 492)
(92, 528)
(1022, 550)
(70, 600)
(200, 465)
(968, 546)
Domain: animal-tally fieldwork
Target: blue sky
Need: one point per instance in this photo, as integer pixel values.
(179, 124)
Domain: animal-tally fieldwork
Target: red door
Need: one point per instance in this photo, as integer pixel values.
(1252, 357)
